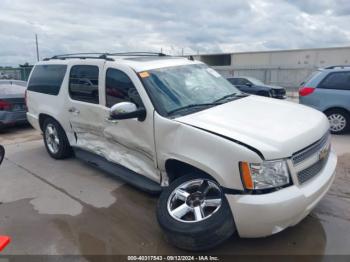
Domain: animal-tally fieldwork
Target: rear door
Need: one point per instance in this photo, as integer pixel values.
(84, 110)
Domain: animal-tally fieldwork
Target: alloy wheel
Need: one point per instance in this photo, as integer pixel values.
(194, 201)
(52, 139)
(337, 122)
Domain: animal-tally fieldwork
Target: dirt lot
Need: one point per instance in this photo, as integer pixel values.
(67, 207)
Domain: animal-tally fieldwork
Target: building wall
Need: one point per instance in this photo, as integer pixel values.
(287, 68)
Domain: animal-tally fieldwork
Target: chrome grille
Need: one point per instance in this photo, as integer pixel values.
(305, 153)
(311, 171)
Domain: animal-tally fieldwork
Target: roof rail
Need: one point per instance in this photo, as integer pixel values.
(81, 56)
(105, 56)
(336, 66)
(137, 54)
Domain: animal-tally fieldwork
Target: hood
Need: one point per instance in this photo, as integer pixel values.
(276, 128)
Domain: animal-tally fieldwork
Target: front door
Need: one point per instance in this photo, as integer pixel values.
(130, 142)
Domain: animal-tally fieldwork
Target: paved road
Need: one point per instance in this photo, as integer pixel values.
(67, 207)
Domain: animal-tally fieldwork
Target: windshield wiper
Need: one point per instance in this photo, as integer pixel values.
(233, 95)
(192, 106)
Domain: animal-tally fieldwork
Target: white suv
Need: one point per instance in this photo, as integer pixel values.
(222, 160)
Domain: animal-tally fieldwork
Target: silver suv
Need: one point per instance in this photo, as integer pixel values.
(328, 90)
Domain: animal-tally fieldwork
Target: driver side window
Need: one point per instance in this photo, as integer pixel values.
(120, 88)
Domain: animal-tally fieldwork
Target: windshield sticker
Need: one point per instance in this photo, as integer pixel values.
(213, 72)
(144, 74)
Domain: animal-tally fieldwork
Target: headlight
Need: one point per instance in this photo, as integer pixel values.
(268, 174)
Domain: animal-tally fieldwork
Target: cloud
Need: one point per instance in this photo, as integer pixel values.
(196, 26)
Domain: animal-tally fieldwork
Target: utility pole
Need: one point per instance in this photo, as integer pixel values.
(37, 47)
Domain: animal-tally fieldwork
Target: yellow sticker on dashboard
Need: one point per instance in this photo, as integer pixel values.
(144, 74)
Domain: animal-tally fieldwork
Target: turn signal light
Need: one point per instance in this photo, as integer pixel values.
(246, 176)
(305, 91)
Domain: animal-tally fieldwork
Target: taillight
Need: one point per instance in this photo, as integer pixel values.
(305, 91)
(4, 105)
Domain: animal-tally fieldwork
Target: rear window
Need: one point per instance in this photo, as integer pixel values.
(233, 81)
(47, 79)
(310, 77)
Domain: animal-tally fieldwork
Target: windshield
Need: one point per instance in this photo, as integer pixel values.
(186, 86)
(255, 81)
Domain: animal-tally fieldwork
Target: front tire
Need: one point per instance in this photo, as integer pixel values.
(55, 139)
(339, 121)
(194, 213)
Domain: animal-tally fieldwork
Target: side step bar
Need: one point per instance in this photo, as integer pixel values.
(123, 173)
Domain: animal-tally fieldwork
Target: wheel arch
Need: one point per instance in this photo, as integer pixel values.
(43, 117)
(336, 108)
(175, 168)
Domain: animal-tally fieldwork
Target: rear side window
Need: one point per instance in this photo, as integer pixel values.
(83, 83)
(47, 79)
(338, 80)
(119, 88)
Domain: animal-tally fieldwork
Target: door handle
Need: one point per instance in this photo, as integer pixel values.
(73, 110)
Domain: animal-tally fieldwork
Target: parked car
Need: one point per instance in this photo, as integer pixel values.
(12, 104)
(254, 86)
(328, 90)
(222, 161)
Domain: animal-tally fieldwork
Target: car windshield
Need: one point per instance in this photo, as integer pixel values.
(187, 87)
(255, 81)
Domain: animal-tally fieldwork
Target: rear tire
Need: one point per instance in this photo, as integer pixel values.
(211, 227)
(55, 139)
(339, 120)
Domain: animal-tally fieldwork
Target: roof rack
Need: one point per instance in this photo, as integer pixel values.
(337, 66)
(105, 56)
(137, 54)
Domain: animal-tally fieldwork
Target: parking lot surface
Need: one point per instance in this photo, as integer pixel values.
(67, 207)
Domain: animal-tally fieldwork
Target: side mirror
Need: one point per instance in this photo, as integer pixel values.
(248, 84)
(127, 110)
(2, 153)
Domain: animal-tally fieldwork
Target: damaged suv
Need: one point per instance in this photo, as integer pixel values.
(222, 161)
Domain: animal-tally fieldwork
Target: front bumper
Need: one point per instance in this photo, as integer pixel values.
(267, 214)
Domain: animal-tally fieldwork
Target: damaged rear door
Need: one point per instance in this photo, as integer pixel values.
(84, 110)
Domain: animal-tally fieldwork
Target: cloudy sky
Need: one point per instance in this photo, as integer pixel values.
(66, 26)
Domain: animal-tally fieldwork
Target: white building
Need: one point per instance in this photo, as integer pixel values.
(286, 68)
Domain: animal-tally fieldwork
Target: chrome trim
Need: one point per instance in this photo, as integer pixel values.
(307, 152)
(308, 163)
